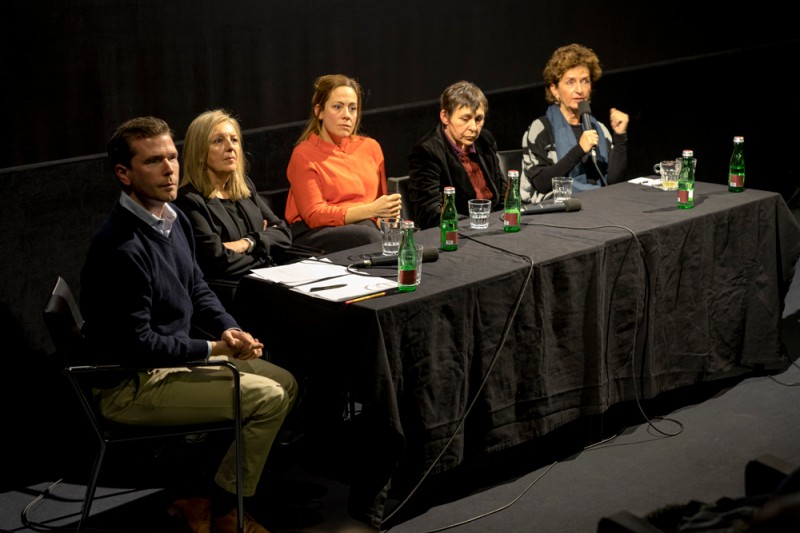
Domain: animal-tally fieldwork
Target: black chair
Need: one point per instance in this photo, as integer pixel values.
(64, 323)
(510, 160)
(276, 199)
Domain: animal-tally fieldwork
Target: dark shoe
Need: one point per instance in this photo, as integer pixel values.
(195, 513)
(227, 524)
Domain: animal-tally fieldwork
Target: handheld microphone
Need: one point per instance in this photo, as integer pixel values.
(585, 111)
(428, 255)
(571, 204)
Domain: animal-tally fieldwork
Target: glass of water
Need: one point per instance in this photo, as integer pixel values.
(479, 211)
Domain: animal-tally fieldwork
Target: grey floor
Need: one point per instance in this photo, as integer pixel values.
(556, 488)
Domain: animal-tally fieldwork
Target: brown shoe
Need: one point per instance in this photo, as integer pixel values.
(194, 512)
(227, 523)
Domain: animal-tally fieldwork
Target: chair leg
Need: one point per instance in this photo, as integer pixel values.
(348, 407)
(237, 427)
(92, 486)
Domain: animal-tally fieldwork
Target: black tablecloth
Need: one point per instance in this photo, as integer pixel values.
(626, 298)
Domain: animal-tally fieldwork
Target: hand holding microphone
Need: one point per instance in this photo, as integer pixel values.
(588, 141)
(590, 134)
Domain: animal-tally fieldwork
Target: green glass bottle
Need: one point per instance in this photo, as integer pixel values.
(686, 181)
(736, 168)
(513, 203)
(448, 223)
(407, 259)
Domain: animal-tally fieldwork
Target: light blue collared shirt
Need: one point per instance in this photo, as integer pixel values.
(161, 225)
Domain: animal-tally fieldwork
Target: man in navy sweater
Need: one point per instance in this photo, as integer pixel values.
(145, 303)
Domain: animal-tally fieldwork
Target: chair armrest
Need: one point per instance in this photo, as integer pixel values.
(275, 199)
(83, 389)
(83, 369)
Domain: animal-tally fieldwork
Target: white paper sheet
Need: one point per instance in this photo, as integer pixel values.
(308, 270)
(649, 182)
(345, 288)
(310, 276)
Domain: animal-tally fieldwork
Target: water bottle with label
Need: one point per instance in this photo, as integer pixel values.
(449, 221)
(736, 168)
(686, 181)
(513, 203)
(407, 259)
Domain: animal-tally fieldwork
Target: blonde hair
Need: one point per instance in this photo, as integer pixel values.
(323, 87)
(195, 156)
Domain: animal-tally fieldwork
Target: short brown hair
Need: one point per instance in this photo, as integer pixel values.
(463, 94)
(119, 147)
(566, 58)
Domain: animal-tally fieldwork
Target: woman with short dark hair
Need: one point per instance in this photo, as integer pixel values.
(457, 152)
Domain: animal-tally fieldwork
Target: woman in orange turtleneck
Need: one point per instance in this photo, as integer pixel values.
(337, 177)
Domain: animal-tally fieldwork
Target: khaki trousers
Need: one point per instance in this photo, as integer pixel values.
(197, 395)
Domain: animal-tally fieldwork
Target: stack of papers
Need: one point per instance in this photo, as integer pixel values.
(648, 182)
(323, 279)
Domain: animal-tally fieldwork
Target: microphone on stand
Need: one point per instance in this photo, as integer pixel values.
(428, 255)
(585, 111)
(571, 204)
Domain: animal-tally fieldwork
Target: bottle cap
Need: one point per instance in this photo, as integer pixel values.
(513, 173)
(688, 153)
(738, 139)
(407, 224)
(449, 190)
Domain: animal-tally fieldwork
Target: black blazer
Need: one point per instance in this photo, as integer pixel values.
(212, 225)
(433, 165)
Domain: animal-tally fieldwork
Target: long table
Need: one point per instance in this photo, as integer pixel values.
(626, 298)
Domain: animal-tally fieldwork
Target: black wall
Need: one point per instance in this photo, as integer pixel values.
(78, 68)
(74, 69)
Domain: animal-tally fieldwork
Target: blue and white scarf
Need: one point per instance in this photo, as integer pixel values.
(565, 140)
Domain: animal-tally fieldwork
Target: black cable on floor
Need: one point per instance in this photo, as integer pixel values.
(794, 364)
(647, 419)
(38, 526)
(646, 288)
(501, 343)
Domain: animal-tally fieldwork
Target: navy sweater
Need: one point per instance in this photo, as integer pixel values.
(143, 296)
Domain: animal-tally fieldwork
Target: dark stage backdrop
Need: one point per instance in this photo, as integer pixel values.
(74, 69)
